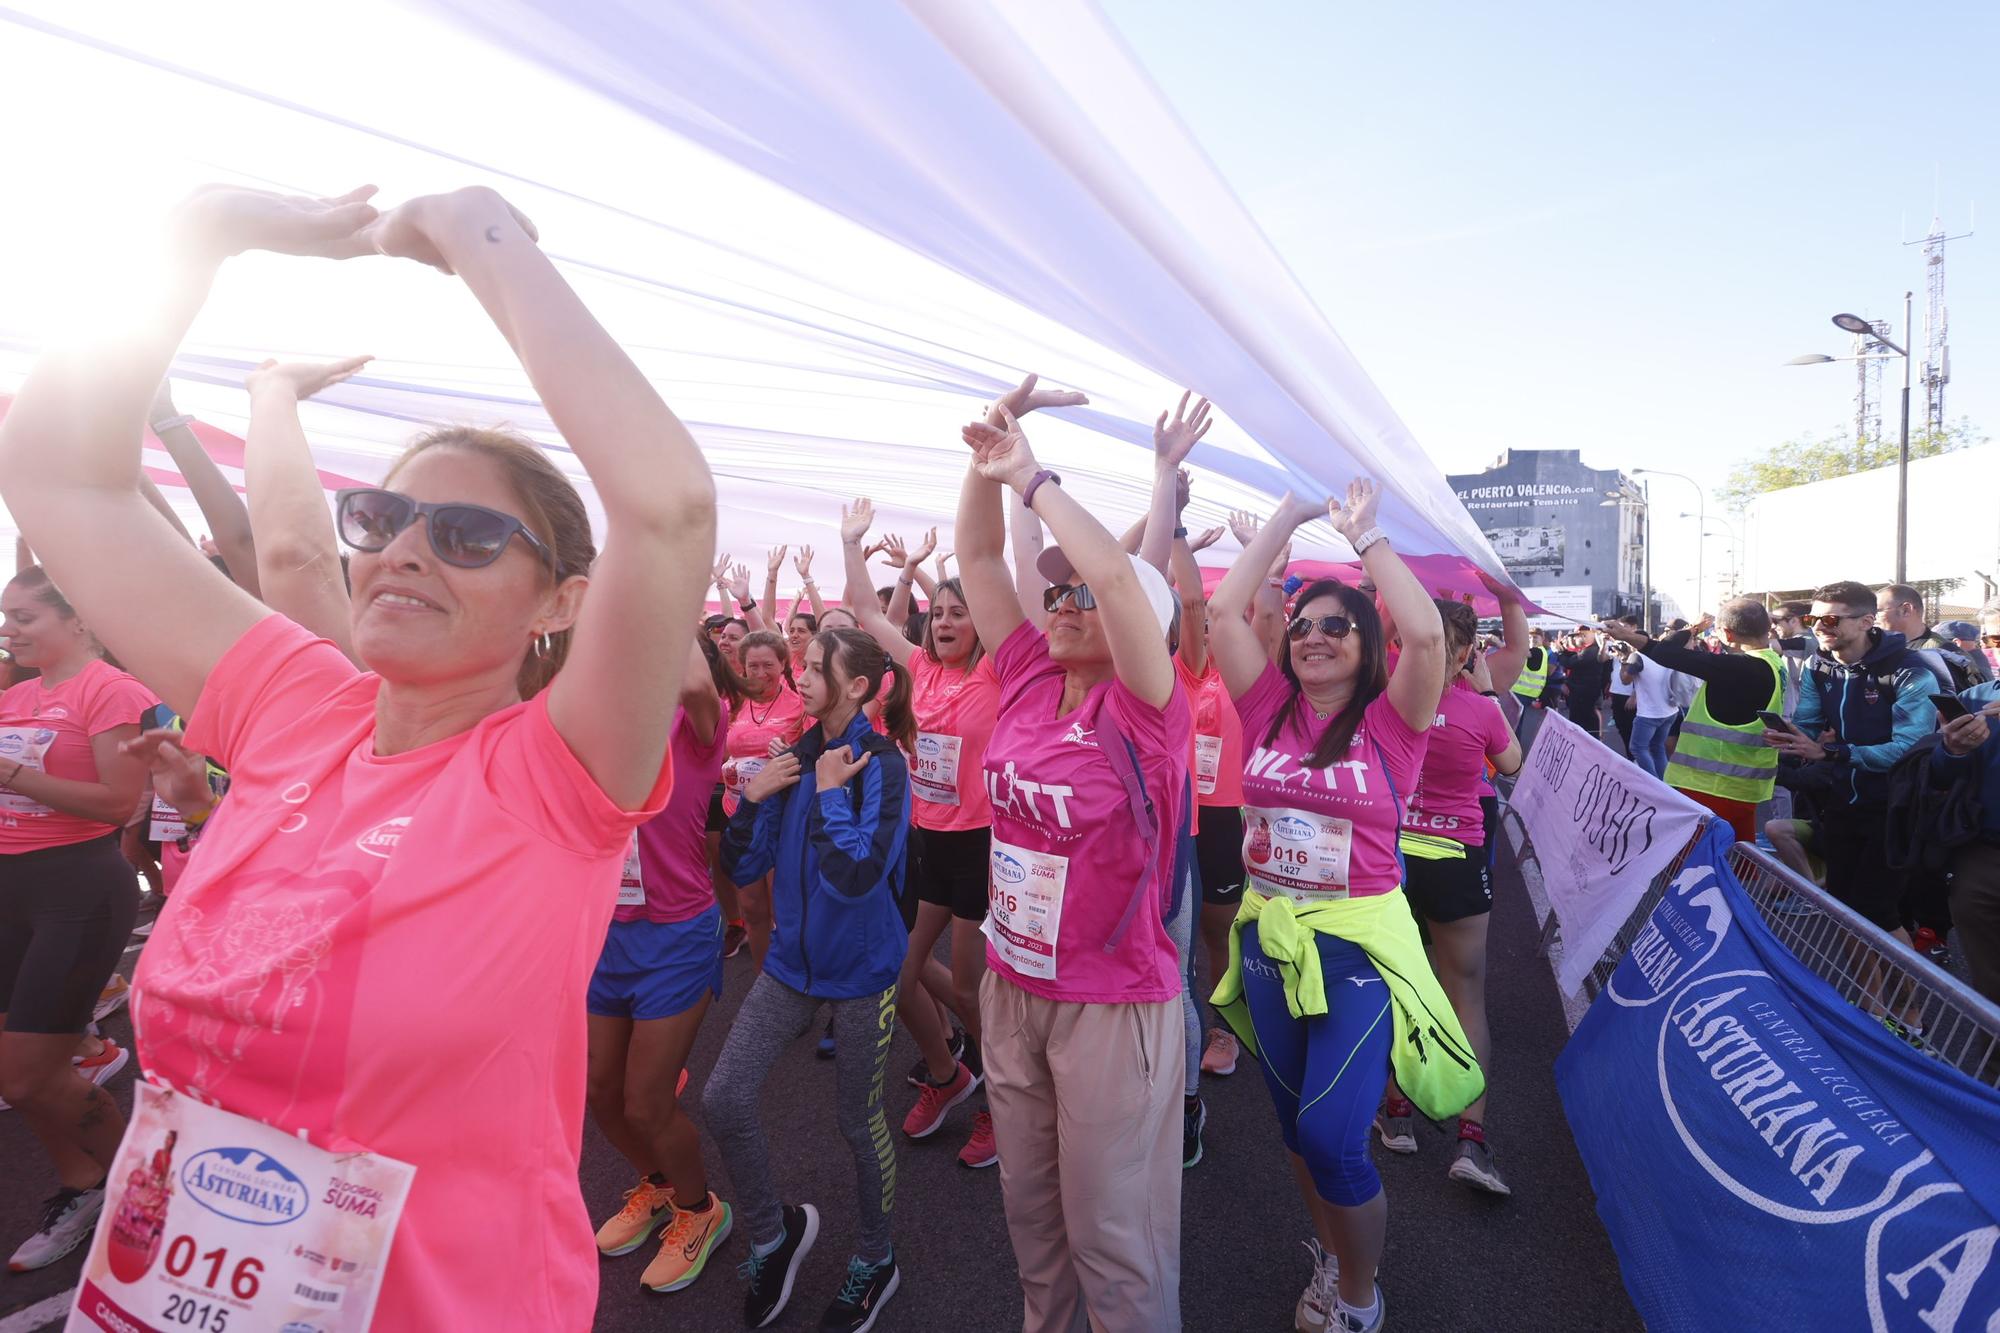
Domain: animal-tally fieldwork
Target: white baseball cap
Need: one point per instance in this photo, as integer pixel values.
(1054, 566)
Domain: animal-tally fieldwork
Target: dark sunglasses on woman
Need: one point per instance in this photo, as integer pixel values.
(1334, 627)
(469, 536)
(1077, 594)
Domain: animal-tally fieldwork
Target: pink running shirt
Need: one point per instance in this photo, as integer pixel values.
(955, 711)
(392, 953)
(673, 845)
(1314, 834)
(49, 727)
(1218, 737)
(1467, 732)
(751, 732)
(1067, 853)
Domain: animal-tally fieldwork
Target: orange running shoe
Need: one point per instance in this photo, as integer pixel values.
(685, 1246)
(646, 1206)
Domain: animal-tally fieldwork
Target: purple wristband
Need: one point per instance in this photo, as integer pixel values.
(1034, 484)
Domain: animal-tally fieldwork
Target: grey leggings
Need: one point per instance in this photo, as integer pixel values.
(773, 1016)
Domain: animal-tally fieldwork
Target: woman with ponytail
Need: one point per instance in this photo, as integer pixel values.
(829, 818)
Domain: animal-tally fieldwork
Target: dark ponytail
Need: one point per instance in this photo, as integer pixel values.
(852, 653)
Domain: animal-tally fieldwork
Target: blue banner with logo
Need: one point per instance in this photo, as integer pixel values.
(1764, 1154)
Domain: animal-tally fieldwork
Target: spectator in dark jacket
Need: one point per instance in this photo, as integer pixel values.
(1973, 744)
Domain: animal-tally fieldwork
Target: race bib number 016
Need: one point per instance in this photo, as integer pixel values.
(1207, 763)
(219, 1223)
(1295, 853)
(1024, 894)
(934, 776)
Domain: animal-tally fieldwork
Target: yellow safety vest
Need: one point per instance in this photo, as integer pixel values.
(1731, 762)
(1533, 679)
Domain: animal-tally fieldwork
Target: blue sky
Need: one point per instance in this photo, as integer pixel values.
(1606, 227)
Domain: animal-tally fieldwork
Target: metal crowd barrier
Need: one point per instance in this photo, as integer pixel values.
(1872, 970)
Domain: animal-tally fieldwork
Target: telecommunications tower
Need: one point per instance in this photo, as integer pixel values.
(1937, 350)
(1868, 357)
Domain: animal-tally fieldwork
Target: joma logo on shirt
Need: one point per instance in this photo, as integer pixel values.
(1271, 766)
(382, 839)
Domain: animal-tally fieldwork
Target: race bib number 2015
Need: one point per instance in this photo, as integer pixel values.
(215, 1222)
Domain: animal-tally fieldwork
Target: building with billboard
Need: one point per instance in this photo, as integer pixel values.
(1548, 519)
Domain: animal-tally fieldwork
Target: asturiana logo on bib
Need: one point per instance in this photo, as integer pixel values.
(1292, 829)
(245, 1185)
(1007, 869)
(929, 747)
(382, 839)
(1683, 933)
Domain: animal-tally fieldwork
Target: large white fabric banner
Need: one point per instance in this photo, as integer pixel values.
(1602, 828)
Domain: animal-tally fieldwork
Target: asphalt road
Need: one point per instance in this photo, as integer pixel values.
(1456, 1260)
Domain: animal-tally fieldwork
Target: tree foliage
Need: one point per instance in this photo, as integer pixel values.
(1809, 459)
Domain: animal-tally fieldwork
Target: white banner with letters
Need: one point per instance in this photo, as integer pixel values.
(1602, 827)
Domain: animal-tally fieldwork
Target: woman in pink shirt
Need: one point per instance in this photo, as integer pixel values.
(1449, 884)
(67, 896)
(955, 694)
(772, 712)
(661, 965)
(1334, 740)
(1086, 773)
(439, 835)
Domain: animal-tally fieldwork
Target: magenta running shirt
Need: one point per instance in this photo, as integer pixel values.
(1468, 730)
(1314, 834)
(1068, 858)
(673, 845)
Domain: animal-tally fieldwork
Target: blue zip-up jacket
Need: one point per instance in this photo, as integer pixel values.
(1878, 708)
(1947, 767)
(836, 859)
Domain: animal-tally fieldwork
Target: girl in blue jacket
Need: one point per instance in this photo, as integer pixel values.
(827, 819)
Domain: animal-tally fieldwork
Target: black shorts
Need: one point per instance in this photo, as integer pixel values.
(1218, 854)
(1451, 889)
(1853, 839)
(66, 914)
(718, 819)
(948, 867)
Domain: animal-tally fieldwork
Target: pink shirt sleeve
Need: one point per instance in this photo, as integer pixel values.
(276, 675)
(533, 775)
(1402, 748)
(119, 702)
(1259, 704)
(1499, 735)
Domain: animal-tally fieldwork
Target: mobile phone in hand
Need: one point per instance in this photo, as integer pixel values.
(1774, 722)
(1950, 707)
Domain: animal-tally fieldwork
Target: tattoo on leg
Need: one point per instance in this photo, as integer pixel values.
(100, 1108)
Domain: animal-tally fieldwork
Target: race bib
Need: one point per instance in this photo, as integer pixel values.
(1024, 894)
(219, 1223)
(1207, 763)
(747, 769)
(25, 746)
(632, 885)
(1296, 854)
(167, 825)
(934, 776)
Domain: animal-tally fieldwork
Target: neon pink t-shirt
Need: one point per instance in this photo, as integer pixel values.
(48, 728)
(1314, 834)
(673, 845)
(1068, 855)
(392, 953)
(1218, 737)
(751, 732)
(1467, 731)
(955, 711)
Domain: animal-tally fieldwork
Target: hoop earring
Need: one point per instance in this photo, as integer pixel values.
(544, 647)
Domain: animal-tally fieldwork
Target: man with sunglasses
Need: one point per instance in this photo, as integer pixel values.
(1864, 702)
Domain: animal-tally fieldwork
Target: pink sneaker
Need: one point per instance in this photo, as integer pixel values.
(980, 1150)
(933, 1101)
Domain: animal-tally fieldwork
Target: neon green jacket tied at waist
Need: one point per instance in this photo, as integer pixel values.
(1432, 1060)
(1717, 759)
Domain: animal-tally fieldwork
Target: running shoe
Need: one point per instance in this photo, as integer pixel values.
(67, 1218)
(144, 929)
(920, 1072)
(927, 1116)
(1396, 1124)
(771, 1275)
(1346, 1321)
(646, 1207)
(867, 1289)
(1194, 1119)
(114, 994)
(980, 1150)
(826, 1042)
(104, 1066)
(734, 936)
(685, 1246)
(1316, 1302)
(1219, 1056)
(1474, 1161)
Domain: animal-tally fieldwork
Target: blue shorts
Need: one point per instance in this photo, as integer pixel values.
(650, 970)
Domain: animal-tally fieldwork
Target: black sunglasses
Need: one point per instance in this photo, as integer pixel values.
(466, 535)
(1832, 623)
(1077, 594)
(1334, 627)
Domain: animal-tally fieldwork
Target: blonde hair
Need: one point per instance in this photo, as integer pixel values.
(551, 509)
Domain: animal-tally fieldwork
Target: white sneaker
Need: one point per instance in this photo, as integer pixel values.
(67, 1218)
(1345, 1322)
(1316, 1302)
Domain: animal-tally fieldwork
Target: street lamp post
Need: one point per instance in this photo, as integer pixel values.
(1701, 507)
(1728, 530)
(1644, 504)
(1855, 324)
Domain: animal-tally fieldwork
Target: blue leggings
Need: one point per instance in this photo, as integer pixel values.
(1326, 1074)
